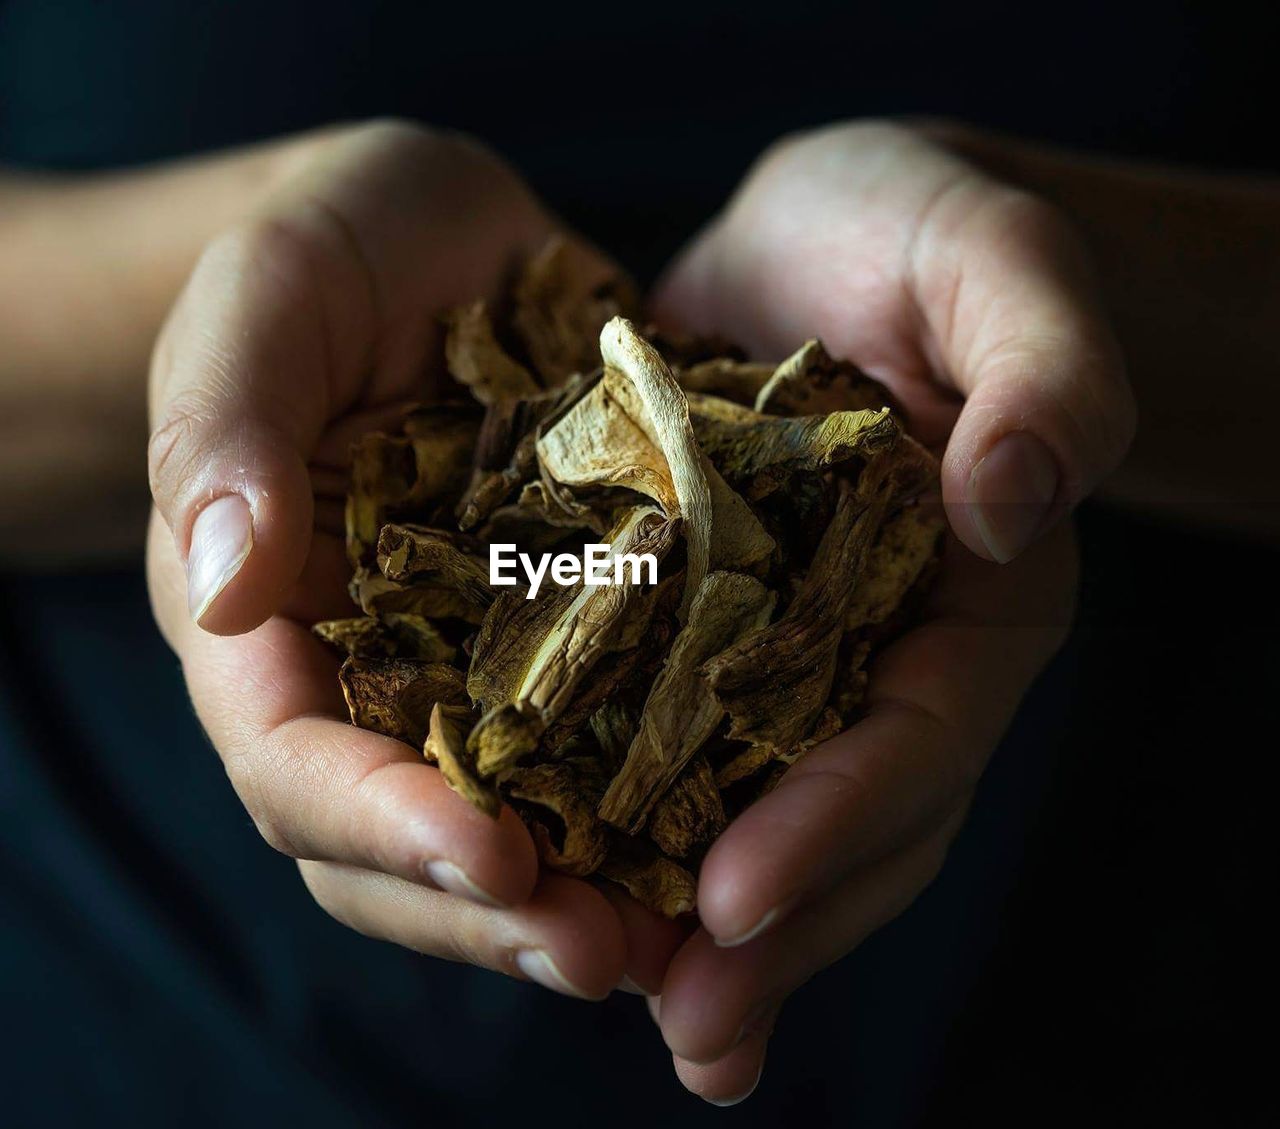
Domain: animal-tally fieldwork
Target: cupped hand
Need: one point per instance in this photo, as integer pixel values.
(309, 323)
(972, 301)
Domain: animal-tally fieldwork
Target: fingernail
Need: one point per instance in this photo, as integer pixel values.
(626, 984)
(538, 966)
(221, 539)
(453, 879)
(759, 927)
(1011, 492)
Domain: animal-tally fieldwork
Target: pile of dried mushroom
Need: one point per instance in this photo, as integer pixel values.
(626, 724)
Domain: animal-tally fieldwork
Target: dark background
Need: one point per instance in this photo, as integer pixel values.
(1086, 957)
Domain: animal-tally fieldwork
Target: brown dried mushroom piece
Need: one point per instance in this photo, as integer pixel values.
(394, 635)
(908, 541)
(377, 596)
(682, 711)
(762, 456)
(395, 696)
(446, 747)
(569, 790)
(420, 470)
(474, 357)
(653, 880)
(411, 554)
(774, 682)
(561, 651)
(667, 419)
(690, 814)
(506, 448)
(737, 381)
(811, 382)
(561, 300)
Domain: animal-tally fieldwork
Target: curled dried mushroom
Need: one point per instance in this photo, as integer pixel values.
(627, 723)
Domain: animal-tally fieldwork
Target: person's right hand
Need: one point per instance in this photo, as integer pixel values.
(304, 326)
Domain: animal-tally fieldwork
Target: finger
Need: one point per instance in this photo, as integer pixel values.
(714, 998)
(319, 788)
(324, 298)
(939, 699)
(934, 278)
(1007, 296)
(652, 940)
(733, 1077)
(566, 937)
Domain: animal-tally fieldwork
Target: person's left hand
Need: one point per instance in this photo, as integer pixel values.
(972, 301)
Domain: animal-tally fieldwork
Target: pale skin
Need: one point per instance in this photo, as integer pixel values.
(291, 291)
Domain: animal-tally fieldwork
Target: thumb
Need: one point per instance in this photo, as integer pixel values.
(239, 399)
(1010, 302)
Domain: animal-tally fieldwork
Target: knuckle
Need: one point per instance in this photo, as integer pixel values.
(416, 141)
(264, 242)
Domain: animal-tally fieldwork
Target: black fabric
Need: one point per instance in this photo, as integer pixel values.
(159, 965)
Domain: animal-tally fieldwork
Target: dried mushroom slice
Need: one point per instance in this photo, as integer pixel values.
(811, 382)
(613, 726)
(525, 525)
(683, 350)
(443, 436)
(739, 543)
(424, 469)
(378, 596)
(850, 686)
(908, 541)
(654, 881)
(475, 358)
(609, 440)
(561, 300)
(436, 559)
(383, 471)
(393, 635)
(446, 747)
(360, 636)
(739, 381)
(647, 629)
(551, 665)
(775, 681)
(761, 457)
(681, 711)
(690, 815)
(508, 642)
(598, 443)
(666, 418)
(570, 790)
(506, 448)
(828, 725)
(612, 673)
(395, 696)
